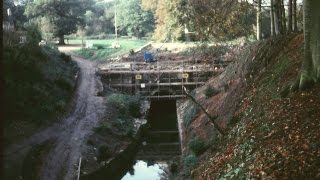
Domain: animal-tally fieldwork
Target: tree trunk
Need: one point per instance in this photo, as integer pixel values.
(272, 18)
(61, 40)
(277, 18)
(290, 16)
(310, 69)
(259, 20)
(294, 13)
(283, 17)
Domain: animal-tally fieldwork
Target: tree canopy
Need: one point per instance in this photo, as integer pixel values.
(133, 19)
(63, 16)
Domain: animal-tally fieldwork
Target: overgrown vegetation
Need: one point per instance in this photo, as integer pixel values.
(271, 137)
(39, 83)
(197, 146)
(189, 162)
(125, 108)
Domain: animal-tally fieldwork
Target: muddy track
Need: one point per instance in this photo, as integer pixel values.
(69, 136)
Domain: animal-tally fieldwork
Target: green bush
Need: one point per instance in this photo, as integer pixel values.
(134, 106)
(125, 108)
(197, 146)
(210, 91)
(38, 81)
(189, 114)
(189, 162)
(125, 104)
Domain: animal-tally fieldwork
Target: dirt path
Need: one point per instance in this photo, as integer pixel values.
(69, 135)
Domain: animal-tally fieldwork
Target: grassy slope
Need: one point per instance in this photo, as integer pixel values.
(39, 82)
(270, 136)
(102, 49)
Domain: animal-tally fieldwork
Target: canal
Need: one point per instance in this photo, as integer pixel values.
(150, 154)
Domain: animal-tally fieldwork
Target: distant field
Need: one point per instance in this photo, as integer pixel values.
(102, 49)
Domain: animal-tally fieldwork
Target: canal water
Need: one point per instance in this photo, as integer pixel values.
(160, 145)
(142, 171)
(150, 154)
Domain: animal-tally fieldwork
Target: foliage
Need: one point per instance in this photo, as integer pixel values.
(62, 16)
(35, 77)
(125, 104)
(209, 18)
(17, 13)
(210, 91)
(197, 146)
(190, 113)
(121, 122)
(33, 35)
(189, 162)
(133, 19)
(168, 27)
(99, 19)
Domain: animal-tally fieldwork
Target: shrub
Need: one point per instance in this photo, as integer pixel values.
(33, 35)
(38, 83)
(134, 106)
(125, 104)
(190, 161)
(197, 146)
(210, 91)
(126, 108)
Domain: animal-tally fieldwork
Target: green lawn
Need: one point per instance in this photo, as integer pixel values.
(102, 49)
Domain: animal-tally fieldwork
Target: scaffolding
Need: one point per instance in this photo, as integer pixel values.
(160, 80)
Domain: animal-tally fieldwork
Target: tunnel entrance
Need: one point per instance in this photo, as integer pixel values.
(161, 141)
(163, 115)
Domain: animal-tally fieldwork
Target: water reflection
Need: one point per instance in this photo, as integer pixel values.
(141, 171)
